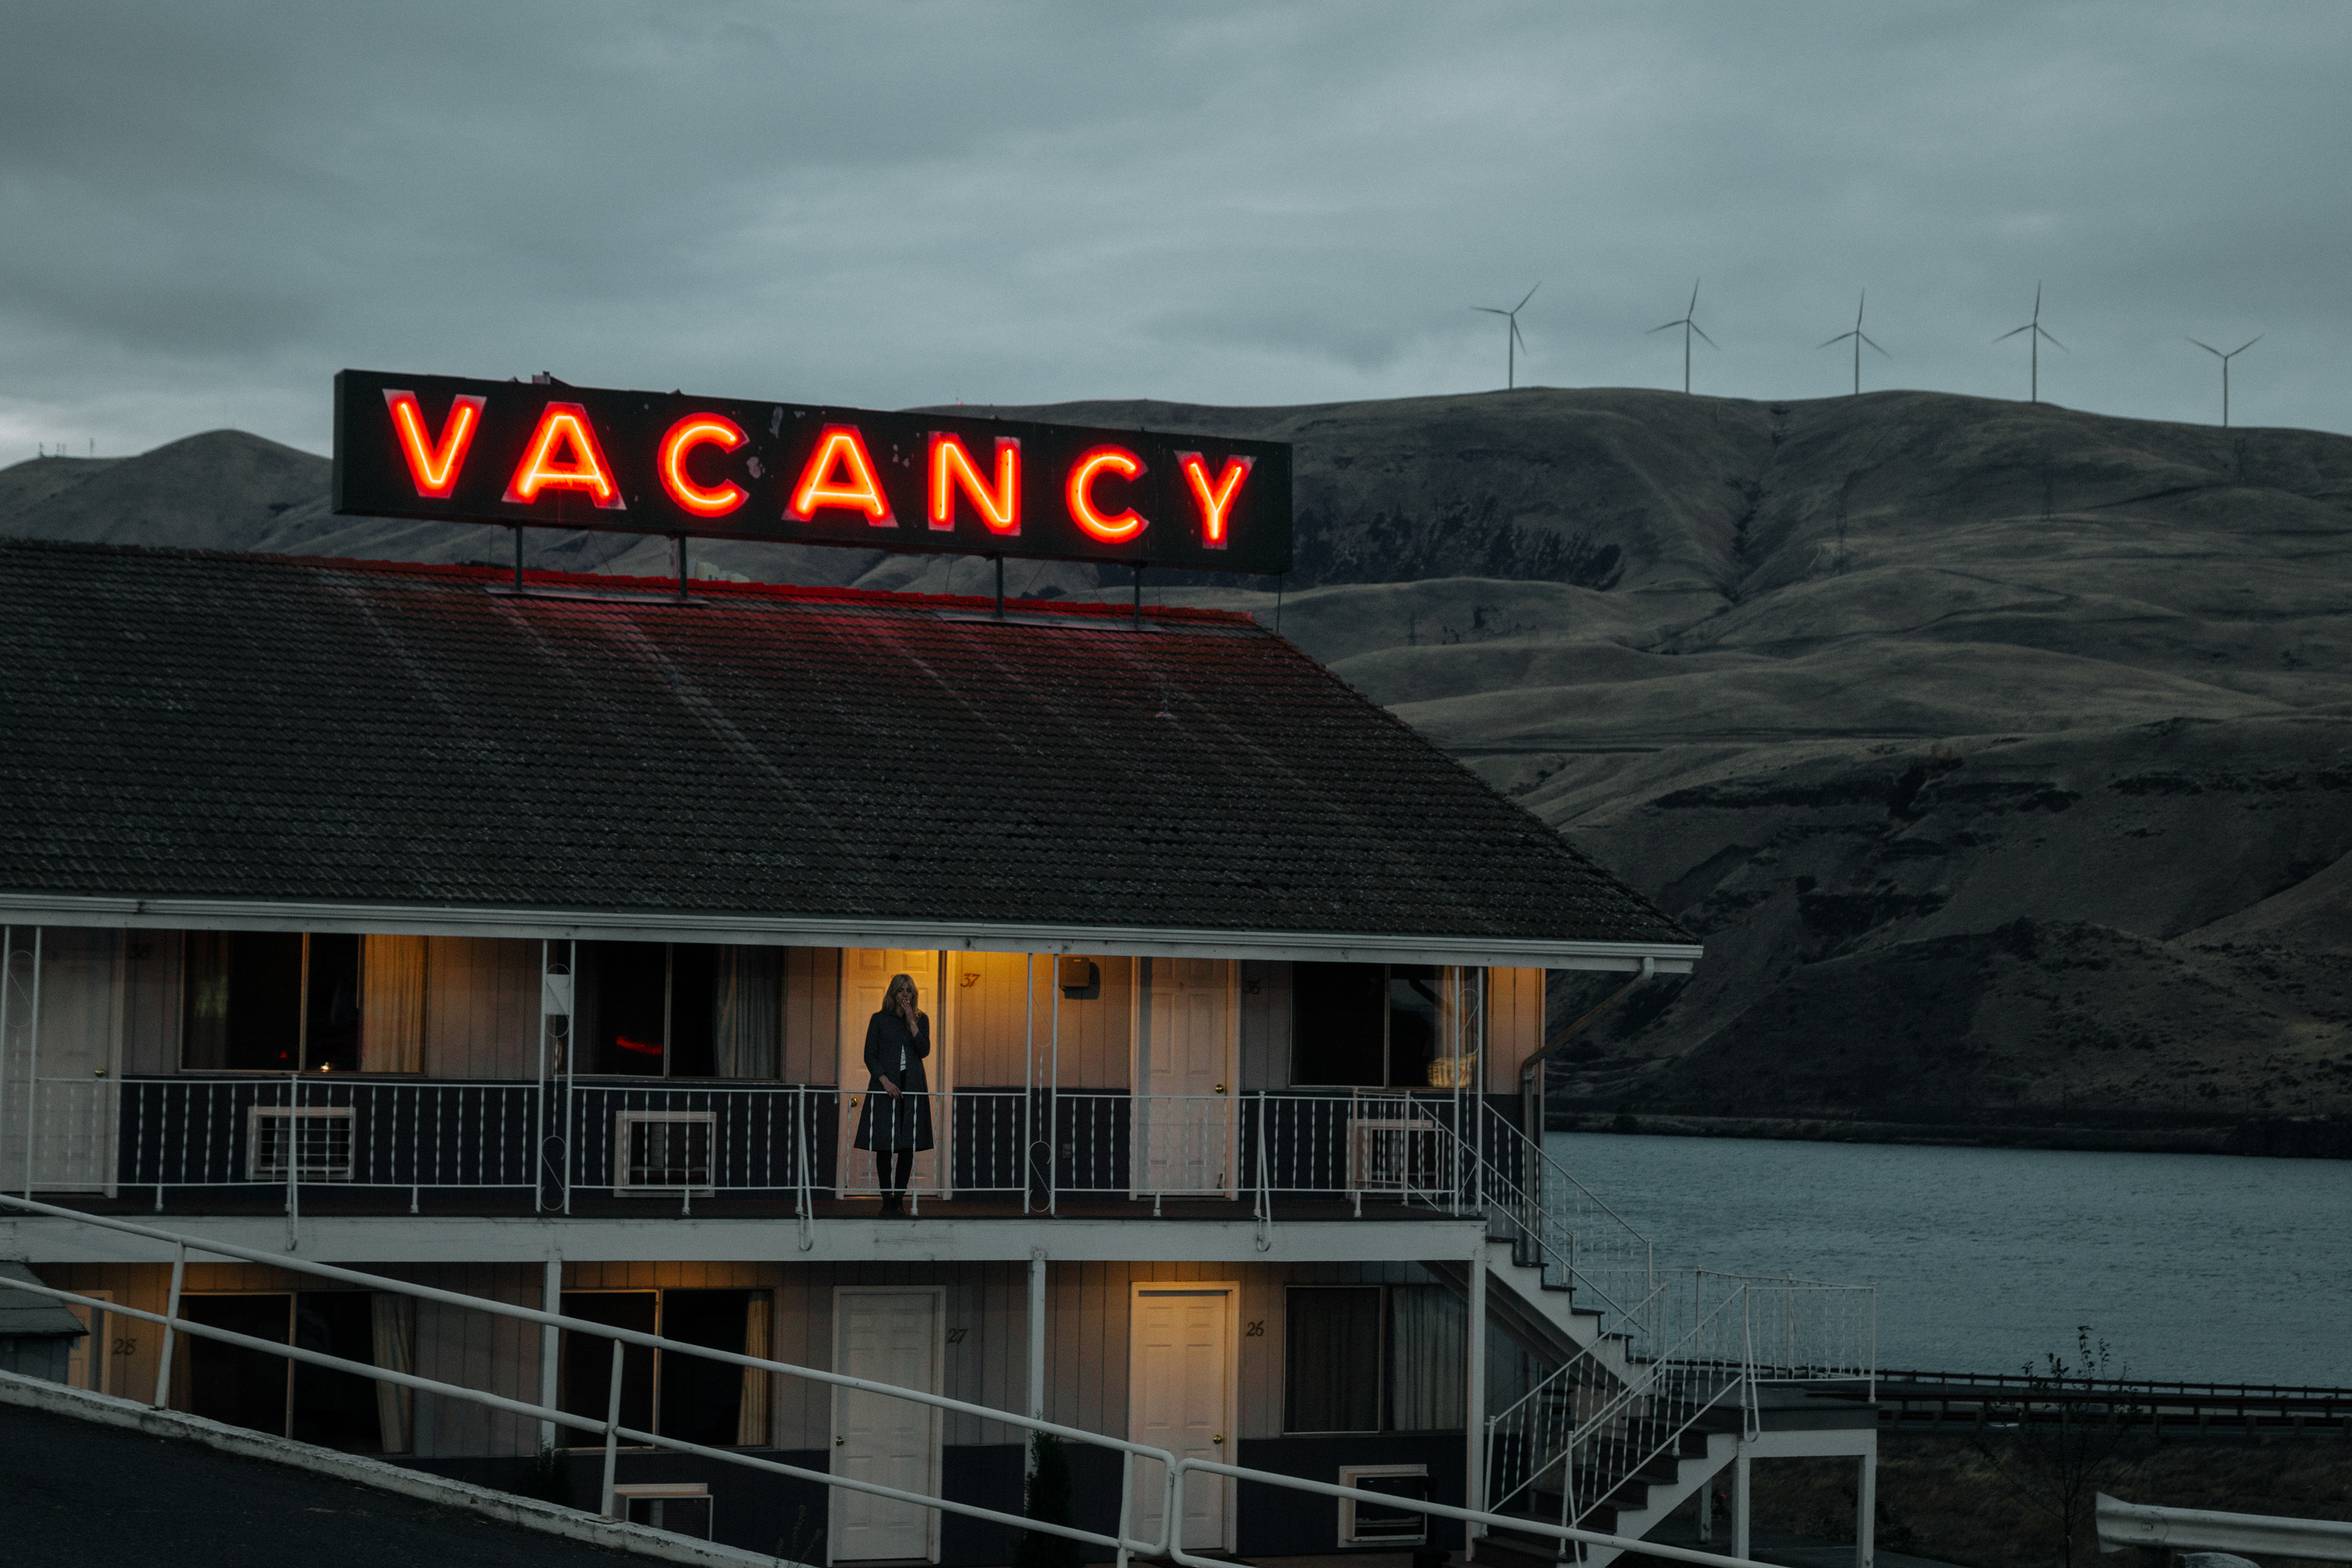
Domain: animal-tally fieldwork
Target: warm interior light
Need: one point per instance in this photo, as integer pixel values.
(697, 430)
(1216, 500)
(433, 464)
(952, 468)
(840, 451)
(562, 455)
(1118, 460)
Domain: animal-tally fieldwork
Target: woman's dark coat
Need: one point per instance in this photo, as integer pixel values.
(905, 1122)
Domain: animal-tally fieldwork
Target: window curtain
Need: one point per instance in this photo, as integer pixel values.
(204, 1039)
(1330, 1355)
(1461, 1028)
(391, 1008)
(1428, 1339)
(749, 982)
(751, 1415)
(394, 1319)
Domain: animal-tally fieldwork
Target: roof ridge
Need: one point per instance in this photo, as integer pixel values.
(802, 593)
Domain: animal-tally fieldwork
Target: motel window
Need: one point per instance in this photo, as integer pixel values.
(688, 1397)
(1374, 1358)
(325, 1405)
(272, 1002)
(679, 1009)
(1384, 1025)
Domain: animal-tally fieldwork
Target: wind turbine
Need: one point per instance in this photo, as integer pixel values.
(1512, 342)
(2033, 327)
(2225, 358)
(1859, 338)
(1689, 324)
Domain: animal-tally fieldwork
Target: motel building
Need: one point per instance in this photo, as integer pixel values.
(521, 936)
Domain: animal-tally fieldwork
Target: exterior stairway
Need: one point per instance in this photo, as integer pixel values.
(1652, 1379)
(1634, 1505)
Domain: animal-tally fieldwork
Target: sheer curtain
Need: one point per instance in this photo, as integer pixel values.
(394, 1319)
(1428, 1338)
(752, 1414)
(391, 1004)
(750, 982)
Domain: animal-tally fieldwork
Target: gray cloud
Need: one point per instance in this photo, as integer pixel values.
(208, 210)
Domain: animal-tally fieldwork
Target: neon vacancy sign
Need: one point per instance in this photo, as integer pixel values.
(511, 454)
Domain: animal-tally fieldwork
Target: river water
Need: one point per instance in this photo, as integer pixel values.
(2202, 1267)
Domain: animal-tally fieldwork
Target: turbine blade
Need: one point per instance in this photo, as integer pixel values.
(1662, 326)
(1693, 308)
(2061, 347)
(2209, 348)
(1703, 337)
(2013, 332)
(1490, 310)
(1516, 337)
(2250, 342)
(1839, 339)
(1866, 338)
(1857, 309)
(1525, 298)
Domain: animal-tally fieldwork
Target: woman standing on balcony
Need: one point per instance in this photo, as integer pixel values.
(897, 1040)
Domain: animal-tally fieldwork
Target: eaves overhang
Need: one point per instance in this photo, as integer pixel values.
(832, 930)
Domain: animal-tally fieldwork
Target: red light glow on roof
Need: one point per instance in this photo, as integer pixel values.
(952, 468)
(840, 448)
(1216, 500)
(433, 466)
(697, 430)
(562, 455)
(1119, 526)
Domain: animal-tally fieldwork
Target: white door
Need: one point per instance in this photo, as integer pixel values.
(866, 975)
(93, 1353)
(1185, 1124)
(893, 1337)
(63, 1046)
(1181, 1398)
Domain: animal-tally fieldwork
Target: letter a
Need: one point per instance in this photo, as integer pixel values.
(840, 474)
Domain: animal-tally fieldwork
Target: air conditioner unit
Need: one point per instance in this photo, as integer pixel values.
(663, 1152)
(316, 1140)
(1367, 1523)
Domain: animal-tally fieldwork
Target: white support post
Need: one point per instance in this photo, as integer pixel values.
(171, 1319)
(1473, 1400)
(1865, 1508)
(551, 1300)
(33, 1064)
(1054, 1102)
(1036, 1338)
(1739, 1499)
(1707, 1510)
(611, 1431)
(1028, 1070)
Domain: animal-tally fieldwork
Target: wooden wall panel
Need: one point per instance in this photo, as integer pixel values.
(1265, 1025)
(481, 1007)
(812, 1022)
(1514, 1024)
(150, 1002)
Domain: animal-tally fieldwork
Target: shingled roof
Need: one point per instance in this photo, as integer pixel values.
(192, 726)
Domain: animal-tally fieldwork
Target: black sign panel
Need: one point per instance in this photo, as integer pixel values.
(550, 456)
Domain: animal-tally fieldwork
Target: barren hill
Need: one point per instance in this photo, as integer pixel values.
(2001, 754)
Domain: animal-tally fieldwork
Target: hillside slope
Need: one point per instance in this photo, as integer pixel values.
(2001, 754)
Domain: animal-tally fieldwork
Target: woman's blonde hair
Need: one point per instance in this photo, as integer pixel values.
(890, 992)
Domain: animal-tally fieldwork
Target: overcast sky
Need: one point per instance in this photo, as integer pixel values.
(206, 209)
